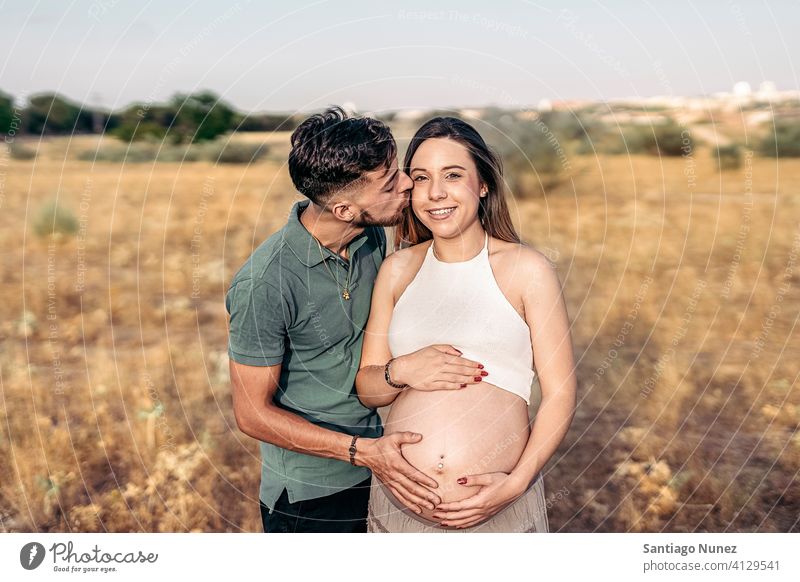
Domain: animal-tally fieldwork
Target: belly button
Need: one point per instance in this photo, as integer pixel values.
(440, 466)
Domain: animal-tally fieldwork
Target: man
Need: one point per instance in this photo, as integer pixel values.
(298, 308)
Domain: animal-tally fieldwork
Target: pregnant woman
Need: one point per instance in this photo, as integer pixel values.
(456, 322)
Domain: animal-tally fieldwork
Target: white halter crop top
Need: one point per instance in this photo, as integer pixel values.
(460, 304)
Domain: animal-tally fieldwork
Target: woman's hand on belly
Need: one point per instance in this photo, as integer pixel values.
(437, 367)
(497, 490)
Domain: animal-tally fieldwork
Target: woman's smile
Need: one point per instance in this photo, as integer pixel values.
(441, 213)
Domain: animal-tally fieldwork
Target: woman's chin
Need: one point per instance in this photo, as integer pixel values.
(444, 229)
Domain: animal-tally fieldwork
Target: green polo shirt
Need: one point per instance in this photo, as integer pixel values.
(285, 308)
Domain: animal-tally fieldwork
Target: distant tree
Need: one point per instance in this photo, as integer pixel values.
(201, 117)
(6, 112)
(142, 122)
(185, 119)
(50, 113)
(267, 122)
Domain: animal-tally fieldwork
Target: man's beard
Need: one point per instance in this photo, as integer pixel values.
(365, 219)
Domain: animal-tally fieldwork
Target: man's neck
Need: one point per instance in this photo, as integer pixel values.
(330, 232)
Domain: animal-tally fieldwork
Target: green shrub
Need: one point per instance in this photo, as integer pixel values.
(667, 139)
(526, 145)
(236, 152)
(21, 152)
(672, 139)
(180, 154)
(727, 157)
(133, 153)
(133, 129)
(54, 219)
(783, 142)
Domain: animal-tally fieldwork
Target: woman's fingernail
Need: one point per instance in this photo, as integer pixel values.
(478, 378)
(462, 480)
(480, 366)
(463, 385)
(484, 373)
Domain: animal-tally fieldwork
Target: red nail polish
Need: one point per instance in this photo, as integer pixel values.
(478, 378)
(463, 385)
(462, 480)
(480, 366)
(484, 373)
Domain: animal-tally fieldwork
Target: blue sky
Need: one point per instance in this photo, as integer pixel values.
(298, 56)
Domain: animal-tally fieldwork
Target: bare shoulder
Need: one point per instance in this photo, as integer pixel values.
(402, 266)
(521, 256)
(523, 267)
(404, 259)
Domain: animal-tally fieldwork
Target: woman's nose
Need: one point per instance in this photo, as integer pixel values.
(436, 192)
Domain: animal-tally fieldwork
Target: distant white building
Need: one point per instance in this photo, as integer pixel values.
(767, 88)
(742, 89)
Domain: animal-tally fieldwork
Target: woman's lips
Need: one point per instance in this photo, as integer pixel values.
(442, 215)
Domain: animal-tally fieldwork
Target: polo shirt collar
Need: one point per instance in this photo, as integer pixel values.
(305, 246)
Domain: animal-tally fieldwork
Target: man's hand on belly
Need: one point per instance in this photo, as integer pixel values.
(412, 487)
(497, 490)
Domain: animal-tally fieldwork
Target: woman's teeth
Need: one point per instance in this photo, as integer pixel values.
(442, 212)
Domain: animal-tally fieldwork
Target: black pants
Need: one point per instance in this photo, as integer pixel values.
(342, 512)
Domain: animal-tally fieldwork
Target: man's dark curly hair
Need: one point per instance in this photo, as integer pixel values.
(332, 150)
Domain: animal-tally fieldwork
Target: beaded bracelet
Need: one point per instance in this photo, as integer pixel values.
(353, 450)
(389, 379)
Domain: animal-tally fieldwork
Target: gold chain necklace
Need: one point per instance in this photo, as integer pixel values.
(345, 291)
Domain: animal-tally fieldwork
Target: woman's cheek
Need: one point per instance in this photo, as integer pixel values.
(418, 194)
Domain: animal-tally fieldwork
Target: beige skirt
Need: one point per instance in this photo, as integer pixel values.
(528, 514)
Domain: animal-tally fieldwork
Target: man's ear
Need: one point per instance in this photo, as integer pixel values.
(342, 211)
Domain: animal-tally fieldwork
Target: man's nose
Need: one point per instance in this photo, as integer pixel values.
(406, 183)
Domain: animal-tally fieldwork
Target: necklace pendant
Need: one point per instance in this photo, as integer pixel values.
(346, 295)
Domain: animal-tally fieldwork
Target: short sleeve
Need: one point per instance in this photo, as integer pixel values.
(258, 323)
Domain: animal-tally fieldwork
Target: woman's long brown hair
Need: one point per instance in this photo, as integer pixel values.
(492, 210)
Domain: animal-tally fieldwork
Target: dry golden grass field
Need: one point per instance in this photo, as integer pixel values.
(683, 287)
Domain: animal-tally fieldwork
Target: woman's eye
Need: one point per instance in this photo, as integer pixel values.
(418, 178)
(453, 176)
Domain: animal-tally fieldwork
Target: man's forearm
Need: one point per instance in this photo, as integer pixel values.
(289, 431)
(373, 391)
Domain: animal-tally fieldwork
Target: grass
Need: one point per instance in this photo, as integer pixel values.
(222, 151)
(116, 408)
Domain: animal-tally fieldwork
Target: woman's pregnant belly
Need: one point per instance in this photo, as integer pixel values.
(477, 429)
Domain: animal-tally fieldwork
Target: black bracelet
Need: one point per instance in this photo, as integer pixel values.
(353, 450)
(389, 379)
